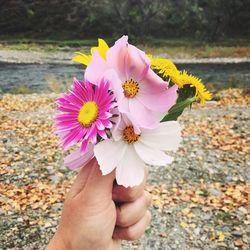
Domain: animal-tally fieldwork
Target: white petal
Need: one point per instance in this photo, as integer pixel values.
(108, 154)
(130, 170)
(165, 137)
(77, 159)
(152, 156)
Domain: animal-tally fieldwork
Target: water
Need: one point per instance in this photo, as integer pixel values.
(221, 75)
(37, 76)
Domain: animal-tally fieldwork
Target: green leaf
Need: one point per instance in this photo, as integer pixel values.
(185, 92)
(186, 96)
(177, 109)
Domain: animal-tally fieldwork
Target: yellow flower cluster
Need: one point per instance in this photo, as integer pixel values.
(168, 70)
(202, 93)
(164, 67)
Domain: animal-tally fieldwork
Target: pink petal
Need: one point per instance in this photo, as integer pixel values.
(142, 115)
(152, 83)
(127, 60)
(115, 82)
(116, 57)
(99, 125)
(160, 102)
(96, 68)
(123, 104)
(84, 145)
(72, 137)
(77, 159)
(102, 134)
(137, 63)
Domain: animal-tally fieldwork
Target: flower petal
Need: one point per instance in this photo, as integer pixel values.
(151, 155)
(115, 82)
(165, 137)
(152, 83)
(116, 57)
(108, 154)
(81, 58)
(96, 68)
(155, 94)
(102, 48)
(130, 170)
(137, 63)
(160, 102)
(142, 115)
(77, 159)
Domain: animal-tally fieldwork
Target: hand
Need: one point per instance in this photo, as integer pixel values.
(92, 220)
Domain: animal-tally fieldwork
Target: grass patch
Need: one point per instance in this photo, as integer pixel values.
(179, 48)
(22, 89)
(204, 192)
(224, 216)
(198, 52)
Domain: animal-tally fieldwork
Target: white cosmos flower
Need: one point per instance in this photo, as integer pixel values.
(130, 149)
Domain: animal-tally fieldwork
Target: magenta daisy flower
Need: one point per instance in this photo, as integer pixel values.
(85, 114)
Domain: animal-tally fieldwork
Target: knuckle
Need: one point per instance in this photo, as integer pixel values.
(132, 194)
(132, 234)
(121, 216)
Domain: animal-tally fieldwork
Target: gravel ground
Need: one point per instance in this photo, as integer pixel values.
(200, 201)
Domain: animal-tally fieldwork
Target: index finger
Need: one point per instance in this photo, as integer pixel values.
(122, 194)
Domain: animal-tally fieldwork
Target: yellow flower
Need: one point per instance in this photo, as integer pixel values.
(166, 69)
(202, 94)
(85, 59)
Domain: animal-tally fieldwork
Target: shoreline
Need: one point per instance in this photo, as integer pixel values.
(36, 57)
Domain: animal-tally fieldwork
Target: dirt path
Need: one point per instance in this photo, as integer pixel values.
(200, 201)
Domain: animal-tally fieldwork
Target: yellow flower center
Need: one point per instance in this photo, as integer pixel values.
(88, 114)
(129, 135)
(130, 88)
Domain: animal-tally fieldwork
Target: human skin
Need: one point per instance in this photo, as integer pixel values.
(98, 214)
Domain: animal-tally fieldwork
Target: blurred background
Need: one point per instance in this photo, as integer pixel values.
(142, 20)
(214, 31)
(201, 200)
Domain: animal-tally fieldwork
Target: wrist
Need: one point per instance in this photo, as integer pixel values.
(57, 243)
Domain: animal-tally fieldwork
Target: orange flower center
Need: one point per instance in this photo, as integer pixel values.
(130, 88)
(129, 135)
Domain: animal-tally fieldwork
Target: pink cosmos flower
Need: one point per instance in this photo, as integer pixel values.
(76, 159)
(138, 90)
(85, 114)
(128, 151)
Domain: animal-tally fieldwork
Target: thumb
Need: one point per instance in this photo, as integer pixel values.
(91, 184)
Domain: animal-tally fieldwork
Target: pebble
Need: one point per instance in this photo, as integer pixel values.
(19, 219)
(197, 231)
(236, 233)
(206, 216)
(195, 162)
(214, 192)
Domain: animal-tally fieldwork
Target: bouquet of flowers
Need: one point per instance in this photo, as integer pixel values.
(124, 112)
